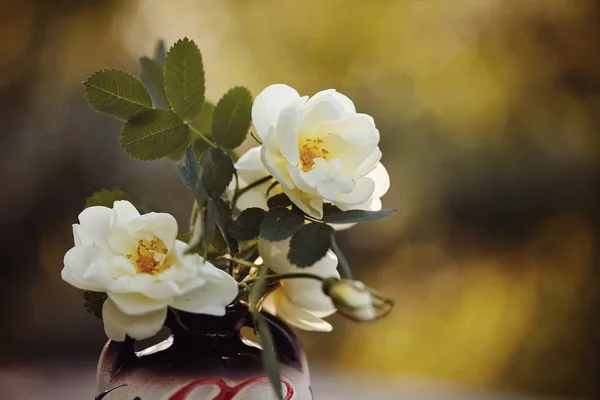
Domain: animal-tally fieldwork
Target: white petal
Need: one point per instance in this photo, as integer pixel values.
(274, 162)
(382, 180)
(355, 128)
(319, 115)
(219, 290)
(118, 324)
(296, 316)
(120, 237)
(124, 211)
(161, 225)
(250, 160)
(368, 164)
(94, 225)
(343, 100)
(268, 104)
(308, 203)
(274, 255)
(77, 261)
(121, 240)
(289, 118)
(361, 193)
(135, 303)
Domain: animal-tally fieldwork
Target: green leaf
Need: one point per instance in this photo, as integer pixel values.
(190, 171)
(280, 223)
(203, 120)
(222, 213)
(184, 237)
(153, 134)
(152, 76)
(218, 171)
(184, 79)
(279, 200)
(202, 124)
(329, 208)
(310, 244)
(352, 216)
(231, 118)
(116, 93)
(160, 53)
(246, 226)
(104, 198)
(93, 302)
(268, 354)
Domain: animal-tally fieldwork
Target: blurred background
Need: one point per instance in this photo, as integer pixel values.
(489, 113)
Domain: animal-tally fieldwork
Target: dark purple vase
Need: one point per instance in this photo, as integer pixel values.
(210, 360)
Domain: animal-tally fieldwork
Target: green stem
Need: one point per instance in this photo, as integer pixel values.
(201, 136)
(240, 192)
(193, 216)
(238, 261)
(178, 319)
(291, 275)
(341, 258)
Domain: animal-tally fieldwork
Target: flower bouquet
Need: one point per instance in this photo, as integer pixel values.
(260, 250)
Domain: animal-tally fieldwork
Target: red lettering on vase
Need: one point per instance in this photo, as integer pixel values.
(225, 392)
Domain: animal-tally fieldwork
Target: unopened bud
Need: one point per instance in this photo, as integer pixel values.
(356, 301)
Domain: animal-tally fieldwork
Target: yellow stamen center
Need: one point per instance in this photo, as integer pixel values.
(150, 257)
(311, 149)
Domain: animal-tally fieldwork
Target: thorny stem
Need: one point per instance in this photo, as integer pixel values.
(201, 136)
(240, 192)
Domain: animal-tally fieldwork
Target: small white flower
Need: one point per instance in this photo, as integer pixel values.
(299, 302)
(138, 262)
(319, 149)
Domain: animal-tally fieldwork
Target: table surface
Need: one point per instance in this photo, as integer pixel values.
(75, 381)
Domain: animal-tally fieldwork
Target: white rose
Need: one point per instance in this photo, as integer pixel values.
(319, 149)
(138, 262)
(299, 302)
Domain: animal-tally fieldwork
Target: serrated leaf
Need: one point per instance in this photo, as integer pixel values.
(104, 198)
(232, 117)
(189, 172)
(153, 134)
(152, 77)
(93, 302)
(279, 224)
(184, 79)
(160, 52)
(352, 216)
(310, 244)
(202, 124)
(246, 226)
(222, 213)
(116, 93)
(279, 200)
(203, 120)
(218, 171)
